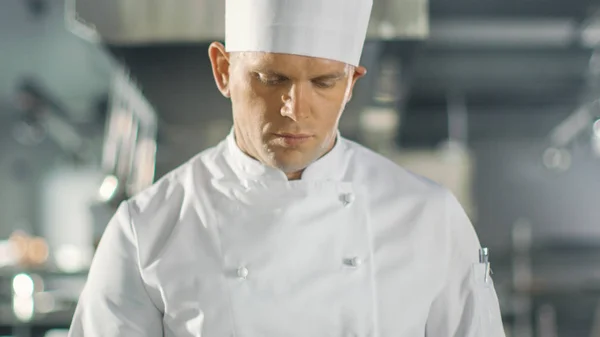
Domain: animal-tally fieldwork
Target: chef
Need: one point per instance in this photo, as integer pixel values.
(285, 228)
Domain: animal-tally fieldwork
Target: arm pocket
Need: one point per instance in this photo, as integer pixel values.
(487, 309)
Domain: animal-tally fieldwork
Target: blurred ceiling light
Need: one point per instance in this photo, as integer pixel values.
(590, 34)
(108, 188)
(23, 285)
(557, 159)
(23, 308)
(596, 128)
(24, 288)
(70, 259)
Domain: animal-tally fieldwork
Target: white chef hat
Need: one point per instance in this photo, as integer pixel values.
(330, 29)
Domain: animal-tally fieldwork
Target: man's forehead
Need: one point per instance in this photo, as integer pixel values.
(278, 62)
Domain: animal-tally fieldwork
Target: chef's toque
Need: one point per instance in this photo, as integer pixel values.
(330, 29)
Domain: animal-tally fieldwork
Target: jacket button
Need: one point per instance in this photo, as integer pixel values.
(242, 272)
(354, 262)
(347, 199)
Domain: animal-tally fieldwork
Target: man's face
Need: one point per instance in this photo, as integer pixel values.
(286, 108)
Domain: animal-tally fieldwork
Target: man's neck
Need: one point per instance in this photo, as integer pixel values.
(298, 174)
(294, 175)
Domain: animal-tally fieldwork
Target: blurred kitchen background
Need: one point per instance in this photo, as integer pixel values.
(496, 99)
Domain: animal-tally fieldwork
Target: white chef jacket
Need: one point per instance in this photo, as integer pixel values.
(225, 246)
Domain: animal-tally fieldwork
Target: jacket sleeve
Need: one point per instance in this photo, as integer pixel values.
(467, 305)
(114, 301)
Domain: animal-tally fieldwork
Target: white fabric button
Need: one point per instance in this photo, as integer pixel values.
(354, 262)
(242, 272)
(348, 198)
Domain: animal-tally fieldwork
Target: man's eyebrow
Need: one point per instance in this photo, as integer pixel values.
(270, 73)
(332, 76)
(326, 77)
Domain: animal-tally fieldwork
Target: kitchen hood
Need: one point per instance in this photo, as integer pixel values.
(143, 22)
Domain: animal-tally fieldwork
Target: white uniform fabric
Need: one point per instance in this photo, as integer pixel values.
(224, 246)
(331, 29)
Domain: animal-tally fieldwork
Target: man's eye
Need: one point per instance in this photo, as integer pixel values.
(324, 84)
(270, 80)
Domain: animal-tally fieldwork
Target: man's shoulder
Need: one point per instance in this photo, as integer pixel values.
(170, 190)
(158, 210)
(381, 171)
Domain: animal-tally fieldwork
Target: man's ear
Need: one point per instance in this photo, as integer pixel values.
(220, 62)
(359, 72)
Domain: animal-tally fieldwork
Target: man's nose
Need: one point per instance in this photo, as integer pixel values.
(295, 102)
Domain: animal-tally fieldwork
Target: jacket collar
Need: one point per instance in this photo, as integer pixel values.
(331, 166)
